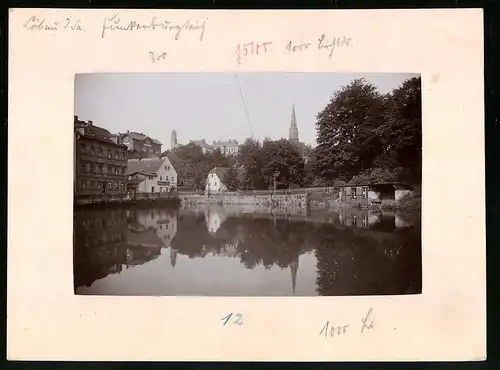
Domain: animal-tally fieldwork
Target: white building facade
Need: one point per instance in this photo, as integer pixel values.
(229, 147)
(151, 175)
(215, 182)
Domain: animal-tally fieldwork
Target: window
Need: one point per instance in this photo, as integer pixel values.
(116, 155)
(99, 152)
(109, 154)
(161, 178)
(172, 178)
(101, 168)
(123, 170)
(82, 167)
(122, 187)
(116, 186)
(98, 184)
(92, 150)
(353, 193)
(110, 186)
(92, 184)
(83, 185)
(161, 189)
(117, 171)
(152, 189)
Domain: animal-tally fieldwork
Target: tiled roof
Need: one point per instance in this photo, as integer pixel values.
(221, 173)
(145, 165)
(140, 137)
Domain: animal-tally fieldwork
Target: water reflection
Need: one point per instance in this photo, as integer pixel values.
(246, 251)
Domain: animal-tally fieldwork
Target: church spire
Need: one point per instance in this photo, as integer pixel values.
(293, 134)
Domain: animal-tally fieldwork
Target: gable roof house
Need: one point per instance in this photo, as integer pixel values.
(151, 175)
(216, 180)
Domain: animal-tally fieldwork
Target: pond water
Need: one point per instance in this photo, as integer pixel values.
(245, 251)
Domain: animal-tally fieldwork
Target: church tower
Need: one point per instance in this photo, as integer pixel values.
(173, 139)
(293, 133)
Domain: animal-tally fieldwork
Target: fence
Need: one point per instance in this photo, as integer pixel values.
(122, 198)
(273, 192)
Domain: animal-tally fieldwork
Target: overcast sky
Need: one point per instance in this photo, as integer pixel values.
(209, 105)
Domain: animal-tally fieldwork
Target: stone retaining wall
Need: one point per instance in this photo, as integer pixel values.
(271, 200)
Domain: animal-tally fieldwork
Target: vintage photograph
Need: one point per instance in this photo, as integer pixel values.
(247, 184)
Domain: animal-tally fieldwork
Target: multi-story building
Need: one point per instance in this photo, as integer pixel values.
(151, 175)
(100, 163)
(139, 142)
(229, 147)
(205, 148)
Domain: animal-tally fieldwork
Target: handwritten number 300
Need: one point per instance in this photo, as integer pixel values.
(238, 321)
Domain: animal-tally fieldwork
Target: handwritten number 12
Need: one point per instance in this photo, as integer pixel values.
(238, 321)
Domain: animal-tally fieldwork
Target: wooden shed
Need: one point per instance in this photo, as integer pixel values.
(374, 193)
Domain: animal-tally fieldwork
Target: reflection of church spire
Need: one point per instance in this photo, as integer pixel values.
(294, 266)
(173, 257)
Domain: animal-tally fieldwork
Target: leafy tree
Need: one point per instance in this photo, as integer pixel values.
(232, 181)
(402, 131)
(347, 139)
(216, 159)
(283, 163)
(250, 157)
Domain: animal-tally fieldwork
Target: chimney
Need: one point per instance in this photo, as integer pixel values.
(76, 118)
(128, 131)
(90, 123)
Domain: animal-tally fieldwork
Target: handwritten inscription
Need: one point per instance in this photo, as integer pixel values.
(156, 58)
(297, 47)
(332, 329)
(238, 321)
(252, 49)
(115, 23)
(335, 42)
(35, 23)
(367, 322)
(323, 43)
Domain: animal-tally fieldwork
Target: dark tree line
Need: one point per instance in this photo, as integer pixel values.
(365, 135)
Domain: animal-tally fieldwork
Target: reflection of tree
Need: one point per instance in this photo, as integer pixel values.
(358, 262)
(258, 241)
(267, 243)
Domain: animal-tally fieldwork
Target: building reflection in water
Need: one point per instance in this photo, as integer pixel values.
(108, 241)
(353, 252)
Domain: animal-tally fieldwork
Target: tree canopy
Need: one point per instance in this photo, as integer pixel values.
(361, 130)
